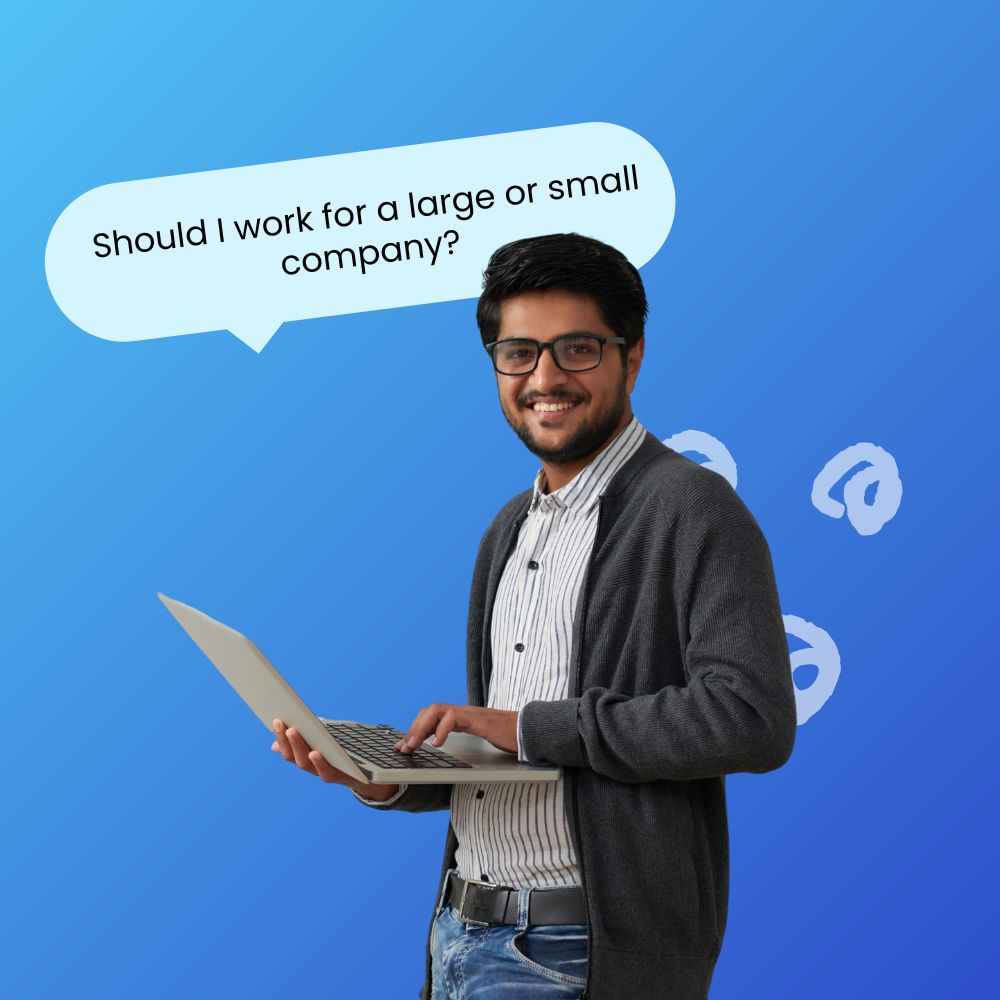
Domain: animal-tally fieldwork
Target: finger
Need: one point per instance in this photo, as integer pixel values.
(423, 725)
(281, 739)
(449, 722)
(325, 770)
(403, 745)
(300, 750)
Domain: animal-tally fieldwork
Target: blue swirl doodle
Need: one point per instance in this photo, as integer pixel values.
(867, 519)
(719, 458)
(822, 653)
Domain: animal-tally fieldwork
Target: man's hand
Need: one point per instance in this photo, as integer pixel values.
(291, 746)
(492, 724)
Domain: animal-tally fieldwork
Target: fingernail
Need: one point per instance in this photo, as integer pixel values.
(277, 725)
(412, 741)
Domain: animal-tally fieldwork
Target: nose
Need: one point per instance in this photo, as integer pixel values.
(547, 375)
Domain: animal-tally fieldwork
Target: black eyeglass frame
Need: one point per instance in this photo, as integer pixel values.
(551, 344)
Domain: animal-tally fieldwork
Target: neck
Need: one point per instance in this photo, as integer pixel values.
(558, 474)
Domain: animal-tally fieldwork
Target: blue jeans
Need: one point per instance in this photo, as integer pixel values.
(507, 962)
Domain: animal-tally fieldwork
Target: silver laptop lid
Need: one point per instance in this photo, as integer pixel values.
(257, 682)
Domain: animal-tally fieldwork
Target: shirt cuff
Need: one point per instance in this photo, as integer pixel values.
(520, 746)
(379, 802)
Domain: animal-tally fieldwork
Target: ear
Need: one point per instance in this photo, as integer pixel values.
(634, 362)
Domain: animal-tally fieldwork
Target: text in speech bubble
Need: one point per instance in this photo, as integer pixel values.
(248, 248)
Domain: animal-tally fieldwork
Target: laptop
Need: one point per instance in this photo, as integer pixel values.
(361, 750)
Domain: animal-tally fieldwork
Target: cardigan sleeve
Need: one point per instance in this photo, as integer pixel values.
(413, 798)
(737, 709)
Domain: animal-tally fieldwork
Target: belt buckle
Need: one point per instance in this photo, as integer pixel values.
(461, 903)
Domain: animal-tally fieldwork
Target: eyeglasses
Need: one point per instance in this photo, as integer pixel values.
(572, 352)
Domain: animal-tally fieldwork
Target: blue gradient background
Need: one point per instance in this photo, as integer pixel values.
(830, 278)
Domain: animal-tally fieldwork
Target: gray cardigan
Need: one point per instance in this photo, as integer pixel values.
(680, 675)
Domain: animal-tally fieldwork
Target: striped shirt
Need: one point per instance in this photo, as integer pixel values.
(516, 833)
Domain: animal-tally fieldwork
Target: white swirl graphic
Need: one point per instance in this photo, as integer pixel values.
(719, 458)
(866, 519)
(821, 653)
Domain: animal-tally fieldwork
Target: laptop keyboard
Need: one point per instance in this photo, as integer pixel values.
(375, 744)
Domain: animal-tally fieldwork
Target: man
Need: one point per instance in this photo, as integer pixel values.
(624, 624)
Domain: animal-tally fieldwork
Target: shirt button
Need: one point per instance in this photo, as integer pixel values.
(480, 794)
(518, 647)
(532, 565)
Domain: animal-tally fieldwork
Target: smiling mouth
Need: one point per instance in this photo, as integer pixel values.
(540, 406)
(552, 407)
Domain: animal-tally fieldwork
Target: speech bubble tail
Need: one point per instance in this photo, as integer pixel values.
(255, 335)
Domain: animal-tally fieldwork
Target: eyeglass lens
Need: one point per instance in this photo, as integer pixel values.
(575, 354)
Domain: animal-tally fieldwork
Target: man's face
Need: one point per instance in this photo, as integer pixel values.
(599, 397)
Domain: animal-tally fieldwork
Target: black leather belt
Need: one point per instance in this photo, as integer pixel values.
(482, 903)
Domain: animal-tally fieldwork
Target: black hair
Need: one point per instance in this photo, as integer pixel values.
(571, 262)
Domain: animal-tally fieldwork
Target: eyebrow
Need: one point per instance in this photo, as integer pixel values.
(569, 333)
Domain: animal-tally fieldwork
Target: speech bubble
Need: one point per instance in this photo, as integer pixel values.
(246, 249)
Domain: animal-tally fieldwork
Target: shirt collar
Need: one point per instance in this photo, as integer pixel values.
(587, 486)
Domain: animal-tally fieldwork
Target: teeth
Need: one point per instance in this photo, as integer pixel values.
(552, 407)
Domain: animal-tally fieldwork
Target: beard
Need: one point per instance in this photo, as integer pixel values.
(588, 437)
